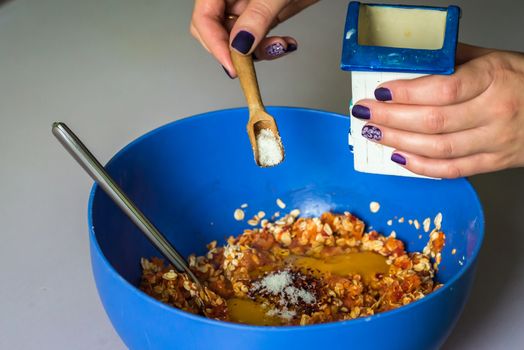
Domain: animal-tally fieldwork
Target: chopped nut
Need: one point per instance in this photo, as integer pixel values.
(281, 204)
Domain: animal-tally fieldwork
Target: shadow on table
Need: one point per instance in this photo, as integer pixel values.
(500, 261)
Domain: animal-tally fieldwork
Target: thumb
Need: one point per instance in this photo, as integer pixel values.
(254, 23)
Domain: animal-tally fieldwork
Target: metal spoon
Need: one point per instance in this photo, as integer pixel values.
(93, 167)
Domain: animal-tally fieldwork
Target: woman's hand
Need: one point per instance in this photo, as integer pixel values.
(243, 25)
(466, 123)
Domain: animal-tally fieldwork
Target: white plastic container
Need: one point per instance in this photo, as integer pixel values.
(389, 42)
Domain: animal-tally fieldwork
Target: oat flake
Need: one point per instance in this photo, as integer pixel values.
(281, 204)
(239, 215)
(374, 207)
(438, 221)
(426, 224)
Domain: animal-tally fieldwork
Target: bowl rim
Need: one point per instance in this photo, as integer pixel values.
(237, 326)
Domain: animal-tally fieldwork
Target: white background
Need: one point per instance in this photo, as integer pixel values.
(115, 69)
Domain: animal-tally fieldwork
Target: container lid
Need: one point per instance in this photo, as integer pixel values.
(430, 34)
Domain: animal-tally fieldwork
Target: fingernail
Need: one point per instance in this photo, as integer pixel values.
(372, 133)
(397, 158)
(361, 112)
(291, 48)
(383, 94)
(275, 50)
(243, 41)
(227, 72)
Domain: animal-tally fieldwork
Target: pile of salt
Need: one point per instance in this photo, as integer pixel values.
(269, 149)
(280, 284)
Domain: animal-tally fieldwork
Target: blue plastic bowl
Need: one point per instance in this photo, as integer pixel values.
(190, 175)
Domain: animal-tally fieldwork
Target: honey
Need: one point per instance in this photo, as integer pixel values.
(366, 264)
(250, 312)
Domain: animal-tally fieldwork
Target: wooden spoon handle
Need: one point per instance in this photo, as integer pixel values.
(248, 80)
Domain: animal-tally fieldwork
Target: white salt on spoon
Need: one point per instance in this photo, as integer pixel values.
(261, 127)
(269, 148)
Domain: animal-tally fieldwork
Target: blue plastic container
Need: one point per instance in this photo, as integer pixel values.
(190, 175)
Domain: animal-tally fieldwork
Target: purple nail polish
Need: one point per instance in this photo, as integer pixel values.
(227, 72)
(397, 158)
(383, 94)
(360, 112)
(291, 48)
(243, 41)
(372, 133)
(275, 50)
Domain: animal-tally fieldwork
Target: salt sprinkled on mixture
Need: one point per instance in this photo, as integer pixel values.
(293, 293)
(285, 313)
(283, 285)
(274, 283)
(269, 150)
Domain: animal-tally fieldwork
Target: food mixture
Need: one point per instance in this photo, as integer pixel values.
(300, 271)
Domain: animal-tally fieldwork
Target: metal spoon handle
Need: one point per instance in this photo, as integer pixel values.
(92, 166)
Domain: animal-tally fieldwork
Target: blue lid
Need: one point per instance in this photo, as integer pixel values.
(357, 57)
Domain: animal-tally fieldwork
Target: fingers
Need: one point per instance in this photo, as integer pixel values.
(454, 126)
(448, 168)
(211, 25)
(468, 81)
(422, 119)
(454, 145)
(207, 27)
(274, 47)
(254, 23)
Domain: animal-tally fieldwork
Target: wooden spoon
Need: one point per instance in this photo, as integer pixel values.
(259, 119)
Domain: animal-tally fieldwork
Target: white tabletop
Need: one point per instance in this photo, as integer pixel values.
(115, 69)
